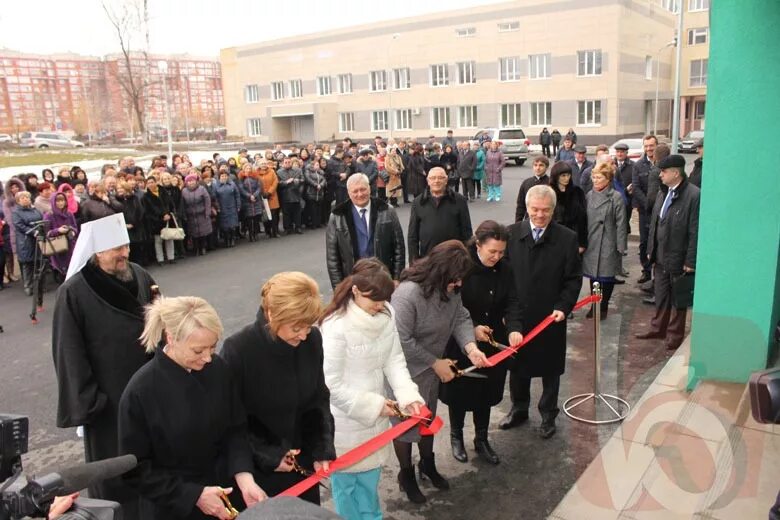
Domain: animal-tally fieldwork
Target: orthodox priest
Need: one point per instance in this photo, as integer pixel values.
(98, 320)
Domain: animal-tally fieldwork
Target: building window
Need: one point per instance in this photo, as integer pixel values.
(699, 73)
(253, 127)
(539, 66)
(440, 117)
(508, 69)
(296, 88)
(648, 67)
(698, 5)
(251, 93)
(698, 36)
(698, 110)
(510, 115)
(345, 83)
(467, 72)
(541, 114)
(277, 90)
(589, 63)
(465, 32)
(346, 122)
(673, 6)
(467, 116)
(377, 80)
(401, 79)
(440, 75)
(589, 113)
(323, 86)
(509, 26)
(403, 119)
(379, 121)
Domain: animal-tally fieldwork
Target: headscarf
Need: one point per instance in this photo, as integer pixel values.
(70, 196)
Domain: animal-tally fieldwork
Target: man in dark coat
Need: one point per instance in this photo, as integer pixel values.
(548, 276)
(467, 163)
(674, 232)
(540, 176)
(336, 176)
(438, 215)
(349, 237)
(556, 141)
(545, 139)
(579, 164)
(641, 199)
(98, 318)
(695, 176)
(290, 191)
(366, 165)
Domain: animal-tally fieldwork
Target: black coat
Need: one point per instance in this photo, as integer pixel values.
(548, 277)
(133, 209)
(287, 402)
(467, 163)
(96, 325)
(489, 294)
(520, 209)
(640, 177)
(187, 430)
(155, 208)
(571, 211)
(432, 223)
(577, 171)
(417, 172)
(341, 240)
(673, 240)
(626, 176)
(545, 138)
(95, 208)
(449, 161)
(695, 176)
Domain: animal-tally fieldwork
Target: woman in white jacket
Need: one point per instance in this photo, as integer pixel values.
(362, 350)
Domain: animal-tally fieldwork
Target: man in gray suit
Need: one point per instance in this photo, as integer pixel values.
(467, 163)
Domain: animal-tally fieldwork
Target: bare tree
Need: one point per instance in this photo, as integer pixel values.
(129, 18)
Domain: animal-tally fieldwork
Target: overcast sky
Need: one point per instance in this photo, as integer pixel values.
(199, 27)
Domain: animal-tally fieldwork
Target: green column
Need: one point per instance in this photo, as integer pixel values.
(737, 302)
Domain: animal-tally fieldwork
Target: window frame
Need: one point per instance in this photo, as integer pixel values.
(474, 116)
(252, 99)
(517, 116)
(593, 106)
(277, 90)
(436, 113)
(695, 32)
(250, 122)
(467, 66)
(398, 76)
(597, 63)
(502, 66)
(399, 120)
(320, 83)
(510, 26)
(547, 64)
(466, 32)
(433, 74)
(703, 5)
(533, 113)
(344, 79)
(649, 66)
(702, 73)
(293, 91)
(344, 117)
(373, 76)
(374, 120)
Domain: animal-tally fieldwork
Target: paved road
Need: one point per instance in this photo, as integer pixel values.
(534, 474)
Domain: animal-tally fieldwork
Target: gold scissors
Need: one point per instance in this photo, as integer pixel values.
(403, 415)
(228, 506)
(293, 461)
(495, 344)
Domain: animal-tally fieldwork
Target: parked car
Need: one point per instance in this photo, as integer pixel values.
(690, 141)
(6, 139)
(511, 141)
(46, 140)
(635, 148)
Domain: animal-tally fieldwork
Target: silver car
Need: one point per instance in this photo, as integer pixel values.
(690, 142)
(511, 141)
(47, 140)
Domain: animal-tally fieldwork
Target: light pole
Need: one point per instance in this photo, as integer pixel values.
(162, 66)
(676, 111)
(657, 81)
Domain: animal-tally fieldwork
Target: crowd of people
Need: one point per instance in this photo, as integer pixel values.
(304, 383)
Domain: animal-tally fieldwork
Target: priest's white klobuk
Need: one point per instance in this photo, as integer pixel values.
(98, 236)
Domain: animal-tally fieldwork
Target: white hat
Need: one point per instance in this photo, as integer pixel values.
(95, 237)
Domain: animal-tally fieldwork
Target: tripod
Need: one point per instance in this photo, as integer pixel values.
(40, 267)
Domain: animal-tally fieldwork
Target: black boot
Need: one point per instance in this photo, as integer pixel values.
(515, 417)
(483, 447)
(408, 484)
(547, 428)
(458, 449)
(428, 470)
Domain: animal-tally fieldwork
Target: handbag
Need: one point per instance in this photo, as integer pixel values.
(682, 290)
(172, 233)
(54, 246)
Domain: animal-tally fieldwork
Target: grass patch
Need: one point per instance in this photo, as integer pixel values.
(64, 157)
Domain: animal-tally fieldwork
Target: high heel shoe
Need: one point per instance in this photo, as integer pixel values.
(408, 484)
(427, 470)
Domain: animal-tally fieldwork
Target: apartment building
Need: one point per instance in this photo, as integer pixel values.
(588, 65)
(82, 94)
(695, 58)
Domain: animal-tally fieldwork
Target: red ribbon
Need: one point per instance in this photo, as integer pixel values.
(512, 350)
(367, 448)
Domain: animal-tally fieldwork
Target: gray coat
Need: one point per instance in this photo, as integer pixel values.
(23, 219)
(607, 233)
(292, 192)
(197, 211)
(467, 163)
(426, 324)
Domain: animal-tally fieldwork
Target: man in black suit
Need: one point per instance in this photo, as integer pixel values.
(547, 271)
(674, 231)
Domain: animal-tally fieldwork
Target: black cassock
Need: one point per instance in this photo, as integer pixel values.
(96, 326)
(188, 431)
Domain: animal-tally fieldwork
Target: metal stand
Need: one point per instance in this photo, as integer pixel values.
(596, 395)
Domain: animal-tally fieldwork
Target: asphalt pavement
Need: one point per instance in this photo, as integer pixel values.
(533, 475)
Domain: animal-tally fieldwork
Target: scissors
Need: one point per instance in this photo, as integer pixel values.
(468, 372)
(228, 506)
(293, 461)
(495, 344)
(403, 415)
